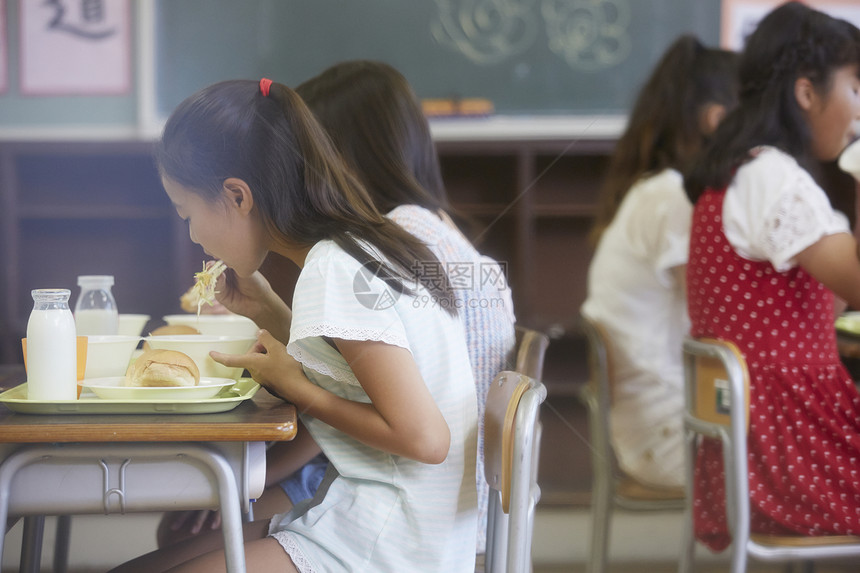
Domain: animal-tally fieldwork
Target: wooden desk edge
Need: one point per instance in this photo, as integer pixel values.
(275, 422)
(167, 432)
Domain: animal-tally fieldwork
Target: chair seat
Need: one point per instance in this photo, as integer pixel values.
(803, 540)
(632, 489)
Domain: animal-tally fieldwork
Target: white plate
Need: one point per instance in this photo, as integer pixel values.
(113, 389)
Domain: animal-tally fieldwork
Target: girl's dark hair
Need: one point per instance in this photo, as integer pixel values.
(790, 42)
(376, 122)
(664, 129)
(302, 188)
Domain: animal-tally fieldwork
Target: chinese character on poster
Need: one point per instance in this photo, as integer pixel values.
(75, 47)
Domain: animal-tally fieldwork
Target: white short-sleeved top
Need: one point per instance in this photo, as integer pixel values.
(381, 512)
(633, 293)
(774, 209)
(485, 308)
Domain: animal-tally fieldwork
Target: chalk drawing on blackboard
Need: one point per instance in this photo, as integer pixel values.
(486, 31)
(590, 35)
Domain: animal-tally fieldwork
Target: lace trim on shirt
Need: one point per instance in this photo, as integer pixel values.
(321, 330)
(794, 223)
(288, 542)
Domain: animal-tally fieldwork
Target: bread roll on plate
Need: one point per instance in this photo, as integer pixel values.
(163, 368)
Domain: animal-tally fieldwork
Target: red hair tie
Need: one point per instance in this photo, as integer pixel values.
(265, 84)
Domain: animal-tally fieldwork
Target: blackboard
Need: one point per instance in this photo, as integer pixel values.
(529, 57)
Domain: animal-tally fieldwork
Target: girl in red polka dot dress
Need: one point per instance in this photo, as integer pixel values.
(767, 255)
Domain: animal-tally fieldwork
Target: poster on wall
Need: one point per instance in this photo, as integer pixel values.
(75, 47)
(740, 17)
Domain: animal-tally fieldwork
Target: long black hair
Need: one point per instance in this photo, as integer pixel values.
(664, 129)
(376, 122)
(790, 42)
(301, 186)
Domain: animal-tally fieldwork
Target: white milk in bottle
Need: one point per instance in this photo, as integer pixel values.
(51, 347)
(96, 312)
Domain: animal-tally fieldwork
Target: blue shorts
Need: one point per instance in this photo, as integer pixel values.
(303, 484)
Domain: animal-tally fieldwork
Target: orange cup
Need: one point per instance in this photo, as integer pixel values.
(81, 357)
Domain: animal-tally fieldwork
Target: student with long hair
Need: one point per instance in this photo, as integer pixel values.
(376, 122)
(636, 278)
(769, 261)
(383, 385)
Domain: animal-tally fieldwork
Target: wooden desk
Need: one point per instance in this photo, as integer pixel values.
(72, 463)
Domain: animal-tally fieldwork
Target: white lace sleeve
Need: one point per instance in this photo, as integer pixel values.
(800, 216)
(773, 210)
(336, 298)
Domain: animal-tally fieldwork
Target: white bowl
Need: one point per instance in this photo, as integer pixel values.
(109, 355)
(197, 346)
(132, 324)
(215, 324)
(849, 161)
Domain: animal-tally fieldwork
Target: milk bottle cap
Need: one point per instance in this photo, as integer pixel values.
(95, 281)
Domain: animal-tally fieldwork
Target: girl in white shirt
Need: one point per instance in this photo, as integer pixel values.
(635, 280)
(382, 384)
(375, 120)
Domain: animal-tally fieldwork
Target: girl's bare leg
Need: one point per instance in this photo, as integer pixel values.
(206, 542)
(261, 556)
(274, 500)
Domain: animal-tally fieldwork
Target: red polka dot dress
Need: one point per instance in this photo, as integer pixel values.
(804, 435)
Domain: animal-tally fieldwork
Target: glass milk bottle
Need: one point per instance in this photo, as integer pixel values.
(51, 347)
(95, 311)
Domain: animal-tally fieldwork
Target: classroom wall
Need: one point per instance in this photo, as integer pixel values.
(531, 58)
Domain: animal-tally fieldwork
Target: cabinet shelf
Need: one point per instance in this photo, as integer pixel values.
(73, 208)
(548, 193)
(483, 210)
(562, 211)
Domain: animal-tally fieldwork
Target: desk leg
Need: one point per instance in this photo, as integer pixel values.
(211, 458)
(31, 546)
(228, 491)
(8, 469)
(61, 545)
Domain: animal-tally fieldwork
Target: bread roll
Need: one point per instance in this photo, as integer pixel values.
(169, 330)
(163, 368)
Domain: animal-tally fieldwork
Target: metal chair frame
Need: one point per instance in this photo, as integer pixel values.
(713, 368)
(512, 434)
(530, 352)
(610, 488)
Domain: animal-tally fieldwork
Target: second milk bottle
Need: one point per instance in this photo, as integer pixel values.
(96, 312)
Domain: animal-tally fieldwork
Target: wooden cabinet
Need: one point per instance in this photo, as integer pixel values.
(533, 204)
(74, 208)
(71, 208)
